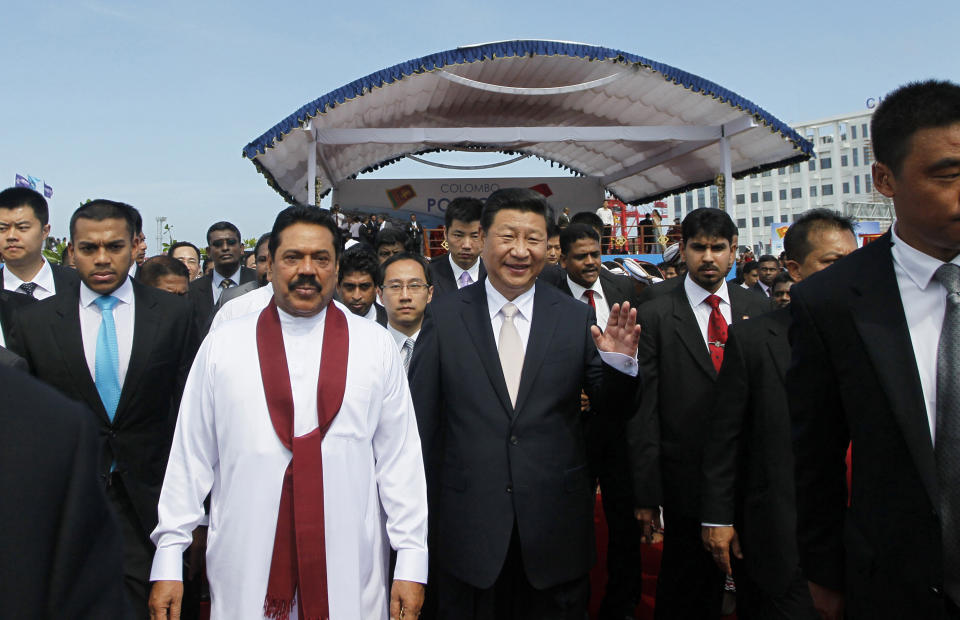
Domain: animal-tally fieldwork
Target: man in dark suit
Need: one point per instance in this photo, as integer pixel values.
(875, 362)
(61, 547)
(768, 267)
(357, 281)
(225, 248)
(681, 347)
(262, 254)
(415, 232)
(9, 303)
(124, 350)
(748, 508)
(587, 281)
(496, 378)
(24, 226)
(462, 265)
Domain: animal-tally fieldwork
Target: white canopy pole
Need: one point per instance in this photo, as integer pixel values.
(311, 167)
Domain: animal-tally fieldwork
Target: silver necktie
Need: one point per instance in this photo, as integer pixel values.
(510, 349)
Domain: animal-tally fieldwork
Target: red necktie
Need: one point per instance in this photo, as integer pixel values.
(716, 332)
(589, 294)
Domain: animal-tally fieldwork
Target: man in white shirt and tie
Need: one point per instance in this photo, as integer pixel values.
(405, 291)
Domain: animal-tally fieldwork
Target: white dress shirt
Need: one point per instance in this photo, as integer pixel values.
(606, 215)
(697, 295)
(522, 319)
(371, 312)
(924, 304)
(401, 337)
(602, 307)
(91, 317)
(43, 280)
(474, 270)
(217, 279)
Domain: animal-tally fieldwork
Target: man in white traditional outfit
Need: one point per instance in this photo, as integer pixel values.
(310, 453)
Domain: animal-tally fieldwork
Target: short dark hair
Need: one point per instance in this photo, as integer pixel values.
(515, 198)
(782, 277)
(589, 218)
(299, 214)
(183, 244)
(102, 209)
(14, 197)
(223, 226)
(575, 232)
(748, 267)
(161, 265)
(358, 259)
(137, 220)
(389, 236)
(382, 275)
(768, 258)
(908, 109)
(265, 237)
(464, 208)
(708, 222)
(552, 230)
(796, 243)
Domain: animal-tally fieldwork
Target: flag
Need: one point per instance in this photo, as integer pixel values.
(544, 189)
(34, 181)
(400, 195)
(22, 181)
(47, 191)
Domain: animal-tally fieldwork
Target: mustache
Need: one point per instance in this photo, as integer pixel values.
(306, 281)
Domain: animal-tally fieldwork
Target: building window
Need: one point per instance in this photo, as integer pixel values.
(826, 163)
(741, 199)
(766, 173)
(867, 183)
(768, 196)
(794, 168)
(812, 164)
(689, 202)
(714, 197)
(753, 176)
(754, 197)
(827, 189)
(781, 171)
(768, 220)
(813, 191)
(864, 131)
(844, 161)
(853, 131)
(742, 222)
(846, 187)
(866, 156)
(796, 192)
(783, 194)
(756, 222)
(856, 157)
(856, 184)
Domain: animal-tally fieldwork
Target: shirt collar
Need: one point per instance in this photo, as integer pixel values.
(496, 301)
(43, 279)
(918, 266)
(474, 270)
(697, 294)
(578, 290)
(217, 278)
(401, 337)
(372, 312)
(124, 293)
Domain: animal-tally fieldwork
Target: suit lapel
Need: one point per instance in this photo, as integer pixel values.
(476, 323)
(146, 319)
(67, 334)
(542, 327)
(689, 331)
(877, 312)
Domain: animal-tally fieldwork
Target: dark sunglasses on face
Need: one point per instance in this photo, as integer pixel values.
(220, 243)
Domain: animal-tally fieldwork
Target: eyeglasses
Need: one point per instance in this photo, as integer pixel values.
(219, 243)
(188, 260)
(394, 288)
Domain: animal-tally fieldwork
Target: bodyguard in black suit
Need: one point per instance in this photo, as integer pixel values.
(61, 546)
(748, 458)
(463, 238)
(510, 489)
(666, 437)
(225, 248)
(875, 363)
(62, 345)
(9, 303)
(587, 281)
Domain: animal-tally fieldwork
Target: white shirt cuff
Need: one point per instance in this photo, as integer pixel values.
(411, 565)
(717, 524)
(624, 363)
(167, 564)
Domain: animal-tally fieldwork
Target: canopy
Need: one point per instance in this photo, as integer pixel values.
(644, 129)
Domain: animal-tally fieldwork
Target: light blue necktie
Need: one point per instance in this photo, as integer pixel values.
(107, 363)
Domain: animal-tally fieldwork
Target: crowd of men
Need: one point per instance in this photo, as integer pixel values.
(334, 426)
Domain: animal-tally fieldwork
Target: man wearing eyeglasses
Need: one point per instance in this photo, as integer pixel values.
(405, 292)
(225, 249)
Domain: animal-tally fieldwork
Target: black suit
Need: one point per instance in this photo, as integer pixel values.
(759, 288)
(607, 454)
(63, 277)
(661, 288)
(138, 440)
(748, 468)
(61, 546)
(12, 360)
(854, 377)
(504, 479)
(666, 442)
(9, 303)
(441, 276)
(381, 314)
(201, 295)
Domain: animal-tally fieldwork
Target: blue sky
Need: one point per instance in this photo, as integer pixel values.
(151, 103)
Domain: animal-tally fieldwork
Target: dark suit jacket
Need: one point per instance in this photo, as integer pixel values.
(381, 314)
(49, 338)
(490, 465)
(759, 288)
(61, 546)
(660, 289)
(666, 436)
(12, 360)
(236, 291)
(201, 295)
(9, 304)
(748, 456)
(63, 277)
(441, 275)
(616, 289)
(854, 377)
